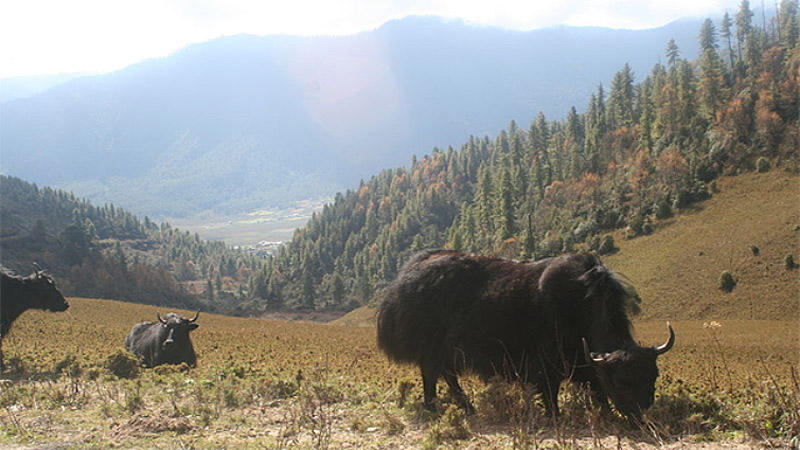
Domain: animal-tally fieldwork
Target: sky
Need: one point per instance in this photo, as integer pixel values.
(39, 37)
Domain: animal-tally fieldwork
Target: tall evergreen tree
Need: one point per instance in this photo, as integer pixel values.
(744, 25)
(788, 21)
(621, 98)
(504, 201)
(708, 36)
(672, 52)
(725, 33)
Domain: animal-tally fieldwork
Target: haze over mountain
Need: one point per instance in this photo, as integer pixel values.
(21, 87)
(246, 122)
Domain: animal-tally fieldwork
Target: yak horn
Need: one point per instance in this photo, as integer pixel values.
(37, 267)
(160, 319)
(589, 356)
(664, 348)
(195, 317)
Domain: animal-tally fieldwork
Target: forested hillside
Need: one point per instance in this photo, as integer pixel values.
(107, 252)
(640, 153)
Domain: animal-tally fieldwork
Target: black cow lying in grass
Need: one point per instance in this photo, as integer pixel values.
(163, 342)
(451, 313)
(19, 294)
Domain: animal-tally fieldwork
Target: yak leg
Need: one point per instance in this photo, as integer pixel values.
(599, 395)
(458, 393)
(548, 386)
(2, 366)
(430, 375)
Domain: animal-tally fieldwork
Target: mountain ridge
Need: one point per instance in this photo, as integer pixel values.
(311, 113)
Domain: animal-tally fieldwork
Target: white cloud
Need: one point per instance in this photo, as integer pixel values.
(51, 36)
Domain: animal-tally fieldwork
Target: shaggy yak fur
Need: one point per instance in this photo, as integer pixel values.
(163, 342)
(19, 294)
(451, 313)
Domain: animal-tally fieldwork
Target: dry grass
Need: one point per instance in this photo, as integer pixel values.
(677, 268)
(288, 384)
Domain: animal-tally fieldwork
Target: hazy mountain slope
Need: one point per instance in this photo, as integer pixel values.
(245, 122)
(25, 86)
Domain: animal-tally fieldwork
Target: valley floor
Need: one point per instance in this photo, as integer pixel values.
(271, 384)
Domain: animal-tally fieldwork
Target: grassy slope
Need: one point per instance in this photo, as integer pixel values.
(677, 268)
(216, 409)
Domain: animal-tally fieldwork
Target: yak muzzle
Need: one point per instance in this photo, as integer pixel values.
(169, 341)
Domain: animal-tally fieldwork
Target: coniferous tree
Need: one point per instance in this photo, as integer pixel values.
(672, 52)
(744, 25)
(621, 99)
(725, 33)
(708, 36)
(504, 209)
(788, 21)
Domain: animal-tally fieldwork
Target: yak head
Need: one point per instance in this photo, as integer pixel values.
(45, 295)
(629, 375)
(176, 330)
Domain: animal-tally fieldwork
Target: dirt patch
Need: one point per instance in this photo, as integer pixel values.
(308, 316)
(148, 424)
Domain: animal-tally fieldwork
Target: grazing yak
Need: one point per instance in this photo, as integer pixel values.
(540, 322)
(19, 294)
(163, 342)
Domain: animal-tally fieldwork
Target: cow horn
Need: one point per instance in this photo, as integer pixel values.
(589, 356)
(664, 348)
(195, 317)
(160, 319)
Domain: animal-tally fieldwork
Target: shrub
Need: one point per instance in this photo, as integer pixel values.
(16, 366)
(788, 262)
(122, 364)
(635, 224)
(662, 209)
(283, 388)
(755, 250)
(647, 226)
(593, 243)
(726, 281)
(607, 245)
(68, 365)
(451, 426)
(762, 164)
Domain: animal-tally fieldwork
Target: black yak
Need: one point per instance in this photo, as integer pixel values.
(19, 294)
(451, 313)
(163, 342)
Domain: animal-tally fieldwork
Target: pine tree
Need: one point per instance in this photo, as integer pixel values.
(672, 52)
(528, 250)
(307, 294)
(788, 20)
(725, 33)
(708, 36)
(504, 203)
(744, 24)
(337, 289)
(621, 100)
(711, 82)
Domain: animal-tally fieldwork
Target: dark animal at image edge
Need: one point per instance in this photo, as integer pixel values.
(451, 313)
(19, 294)
(164, 342)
